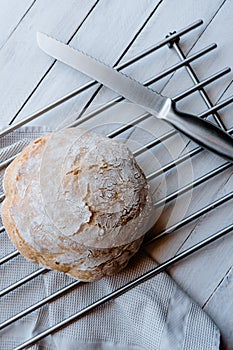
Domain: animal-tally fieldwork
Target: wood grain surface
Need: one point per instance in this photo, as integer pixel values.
(115, 31)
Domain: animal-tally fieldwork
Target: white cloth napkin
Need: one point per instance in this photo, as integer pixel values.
(156, 315)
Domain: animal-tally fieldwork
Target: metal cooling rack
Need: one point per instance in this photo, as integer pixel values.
(172, 40)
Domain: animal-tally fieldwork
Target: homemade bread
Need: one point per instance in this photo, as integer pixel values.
(76, 202)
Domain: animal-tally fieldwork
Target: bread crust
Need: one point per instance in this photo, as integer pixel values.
(94, 250)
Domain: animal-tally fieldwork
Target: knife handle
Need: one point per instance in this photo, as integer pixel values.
(203, 132)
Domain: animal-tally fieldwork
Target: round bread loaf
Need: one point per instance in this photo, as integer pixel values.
(76, 202)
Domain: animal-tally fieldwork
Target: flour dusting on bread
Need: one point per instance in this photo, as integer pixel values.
(77, 202)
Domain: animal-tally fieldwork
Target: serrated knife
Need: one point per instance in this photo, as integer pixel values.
(205, 133)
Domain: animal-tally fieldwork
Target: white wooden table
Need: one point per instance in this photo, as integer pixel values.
(115, 31)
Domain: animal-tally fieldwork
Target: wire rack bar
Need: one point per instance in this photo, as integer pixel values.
(7, 161)
(193, 217)
(202, 84)
(9, 257)
(22, 281)
(41, 303)
(218, 106)
(195, 79)
(193, 184)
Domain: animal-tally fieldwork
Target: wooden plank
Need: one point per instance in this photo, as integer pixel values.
(19, 54)
(10, 19)
(220, 307)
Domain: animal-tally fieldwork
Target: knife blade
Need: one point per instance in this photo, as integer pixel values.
(199, 130)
